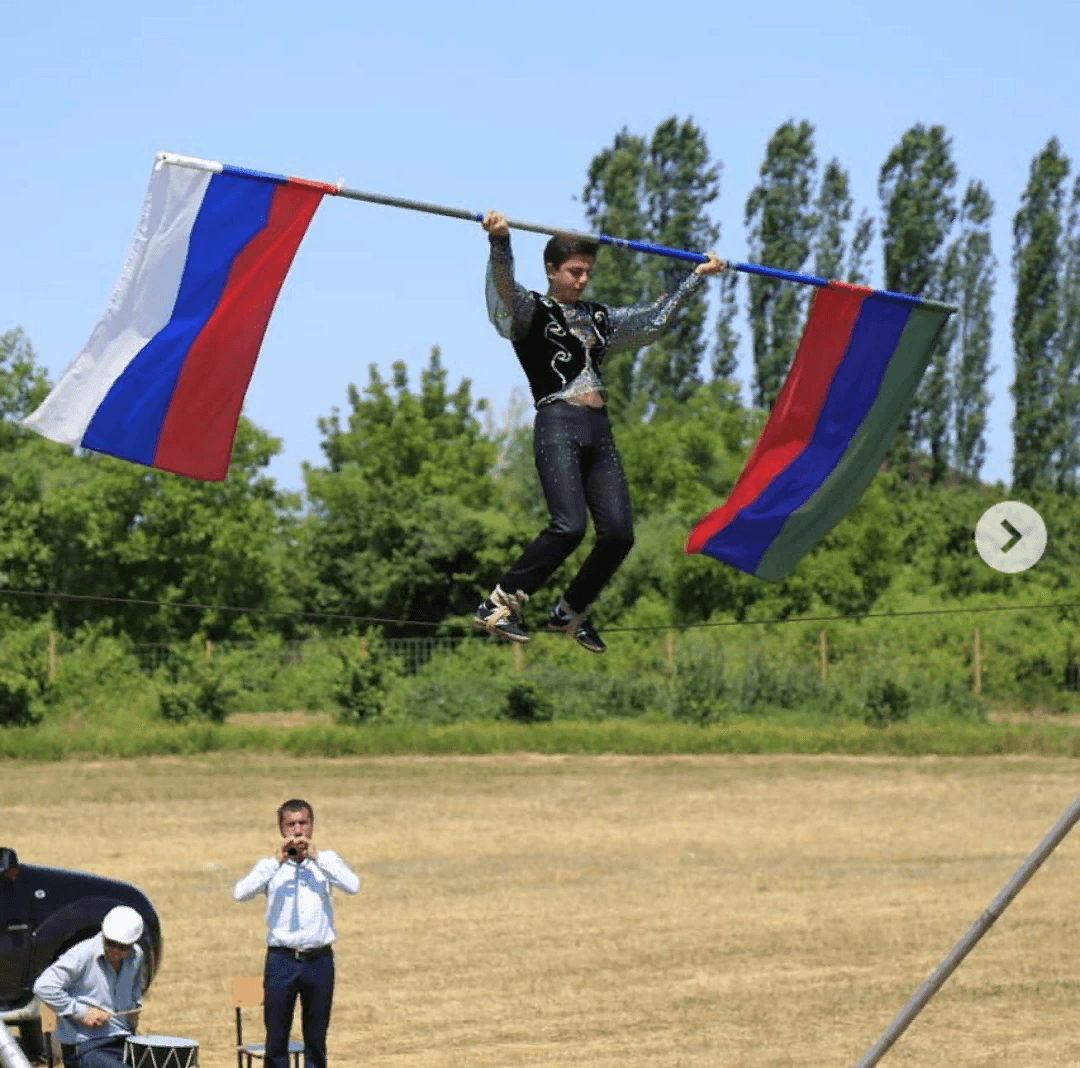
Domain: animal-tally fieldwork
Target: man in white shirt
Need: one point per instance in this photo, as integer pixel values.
(297, 881)
(95, 988)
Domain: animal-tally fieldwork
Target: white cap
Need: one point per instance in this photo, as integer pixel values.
(122, 924)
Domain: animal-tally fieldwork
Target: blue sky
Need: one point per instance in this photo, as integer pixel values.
(475, 105)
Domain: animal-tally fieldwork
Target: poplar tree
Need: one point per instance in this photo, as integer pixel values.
(1067, 443)
(834, 257)
(858, 271)
(1037, 318)
(781, 220)
(725, 359)
(613, 205)
(833, 208)
(655, 189)
(680, 182)
(915, 188)
(974, 271)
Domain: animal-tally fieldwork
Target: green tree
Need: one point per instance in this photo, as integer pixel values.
(833, 208)
(92, 526)
(975, 270)
(858, 273)
(725, 359)
(915, 187)
(1067, 430)
(680, 182)
(656, 189)
(23, 386)
(406, 519)
(1037, 318)
(834, 255)
(782, 222)
(613, 200)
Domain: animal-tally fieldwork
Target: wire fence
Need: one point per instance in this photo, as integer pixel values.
(413, 653)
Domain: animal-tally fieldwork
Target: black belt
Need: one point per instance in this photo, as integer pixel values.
(303, 954)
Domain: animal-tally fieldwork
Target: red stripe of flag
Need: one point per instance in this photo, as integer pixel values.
(792, 421)
(197, 434)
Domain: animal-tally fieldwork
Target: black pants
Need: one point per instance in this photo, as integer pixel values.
(312, 980)
(581, 473)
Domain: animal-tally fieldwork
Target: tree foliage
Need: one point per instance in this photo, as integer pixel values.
(405, 520)
(781, 224)
(655, 189)
(915, 188)
(1039, 390)
(974, 273)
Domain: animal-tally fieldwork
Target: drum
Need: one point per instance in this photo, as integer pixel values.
(161, 1051)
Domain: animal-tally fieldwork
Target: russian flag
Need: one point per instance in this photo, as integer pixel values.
(162, 379)
(854, 376)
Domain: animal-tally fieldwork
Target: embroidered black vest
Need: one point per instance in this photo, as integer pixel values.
(550, 355)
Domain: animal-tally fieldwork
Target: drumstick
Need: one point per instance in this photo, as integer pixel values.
(117, 1012)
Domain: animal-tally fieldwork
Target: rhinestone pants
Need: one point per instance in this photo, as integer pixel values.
(581, 474)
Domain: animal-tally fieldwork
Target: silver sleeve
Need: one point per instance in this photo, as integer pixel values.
(638, 325)
(510, 305)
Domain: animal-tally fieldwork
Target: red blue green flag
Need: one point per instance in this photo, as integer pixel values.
(854, 376)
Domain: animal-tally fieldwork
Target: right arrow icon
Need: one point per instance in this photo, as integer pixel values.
(1010, 537)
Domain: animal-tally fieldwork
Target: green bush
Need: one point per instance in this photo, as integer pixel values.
(764, 685)
(24, 674)
(886, 702)
(192, 689)
(94, 662)
(17, 700)
(206, 697)
(269, 675)
(528, 702)
(699, 684)
(367, 673)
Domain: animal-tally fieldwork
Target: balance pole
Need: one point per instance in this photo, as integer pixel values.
(338, 189)
(962, 948)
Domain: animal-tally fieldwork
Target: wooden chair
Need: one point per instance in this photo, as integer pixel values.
(48, 1029)
(248, 994)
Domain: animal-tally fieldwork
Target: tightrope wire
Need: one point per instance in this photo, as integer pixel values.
(908, 613)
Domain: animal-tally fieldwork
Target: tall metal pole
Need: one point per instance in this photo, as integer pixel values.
(962, 948)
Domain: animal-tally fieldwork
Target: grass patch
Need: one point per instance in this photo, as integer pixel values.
(631, 737)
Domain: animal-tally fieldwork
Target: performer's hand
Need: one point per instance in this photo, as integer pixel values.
(133, 1019)
(713, 265)
(495, 224)
(95, 1017)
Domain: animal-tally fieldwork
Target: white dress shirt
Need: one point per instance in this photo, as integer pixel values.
(299, 908)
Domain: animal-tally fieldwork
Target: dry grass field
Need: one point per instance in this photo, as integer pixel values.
(602, 912)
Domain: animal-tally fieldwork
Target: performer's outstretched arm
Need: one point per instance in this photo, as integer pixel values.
(638, 325)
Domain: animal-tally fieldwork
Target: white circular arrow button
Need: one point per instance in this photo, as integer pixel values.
(1010, 537)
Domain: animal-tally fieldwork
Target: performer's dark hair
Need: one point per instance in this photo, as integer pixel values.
(560, 248)
(294, 804)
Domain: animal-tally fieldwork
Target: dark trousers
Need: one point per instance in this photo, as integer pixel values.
(581, 474)
(284, 979)
(106, 1054)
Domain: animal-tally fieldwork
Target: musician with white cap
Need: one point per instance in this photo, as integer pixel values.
(95, 988)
